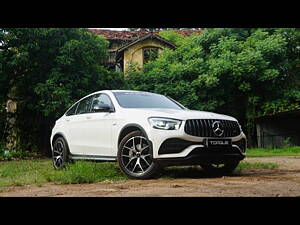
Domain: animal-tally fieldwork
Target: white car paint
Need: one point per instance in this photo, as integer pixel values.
(97, 134)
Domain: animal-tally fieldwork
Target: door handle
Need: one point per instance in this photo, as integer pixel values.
(67, 119)
(88, 117)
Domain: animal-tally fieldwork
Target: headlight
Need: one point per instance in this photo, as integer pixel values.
(165, 123)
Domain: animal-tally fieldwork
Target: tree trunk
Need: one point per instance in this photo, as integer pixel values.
(12, 138)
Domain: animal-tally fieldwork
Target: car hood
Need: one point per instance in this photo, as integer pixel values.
(179, 114)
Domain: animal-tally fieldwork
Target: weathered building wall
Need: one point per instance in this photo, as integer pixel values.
(133, 55)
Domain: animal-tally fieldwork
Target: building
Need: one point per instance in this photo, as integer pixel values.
(279, 130)
(134, 48)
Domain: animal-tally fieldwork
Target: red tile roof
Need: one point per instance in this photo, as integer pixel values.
(188, 32)
(125, 35)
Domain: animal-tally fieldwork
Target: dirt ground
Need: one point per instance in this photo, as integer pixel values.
(282, 181)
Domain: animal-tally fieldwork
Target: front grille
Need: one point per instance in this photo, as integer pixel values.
(203, 128)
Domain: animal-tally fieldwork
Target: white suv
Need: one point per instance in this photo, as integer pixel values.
(143, 131)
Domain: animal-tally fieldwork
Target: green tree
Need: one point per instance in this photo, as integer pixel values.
(45, 71)
(242, 72)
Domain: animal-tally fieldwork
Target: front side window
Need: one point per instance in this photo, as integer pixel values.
(84, 105)
(72, 110)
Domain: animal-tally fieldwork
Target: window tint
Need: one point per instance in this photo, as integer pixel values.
(102, 99)
(72, 110)
(144, 100)
(84, 105)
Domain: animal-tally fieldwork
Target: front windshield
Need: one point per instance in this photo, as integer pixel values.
(144, 100)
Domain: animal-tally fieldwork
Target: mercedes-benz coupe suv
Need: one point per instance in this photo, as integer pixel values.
(144, 131)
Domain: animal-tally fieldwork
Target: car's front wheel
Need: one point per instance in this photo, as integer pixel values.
(135, 156)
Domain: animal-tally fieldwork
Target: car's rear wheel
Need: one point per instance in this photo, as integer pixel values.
(220, 169)
(135, 156)
(60, 153)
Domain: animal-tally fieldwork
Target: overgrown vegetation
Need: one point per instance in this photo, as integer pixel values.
(7, 155)
(245, 73)
(45, 70)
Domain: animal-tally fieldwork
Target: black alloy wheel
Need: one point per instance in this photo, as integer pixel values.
(135, 156)
(60, 153)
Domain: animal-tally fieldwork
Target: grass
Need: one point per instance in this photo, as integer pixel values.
(255, 165)
(86, 172)
(267, 152)
(40, 171)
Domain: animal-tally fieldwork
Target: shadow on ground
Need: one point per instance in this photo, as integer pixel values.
(197, 172)
(189, 172)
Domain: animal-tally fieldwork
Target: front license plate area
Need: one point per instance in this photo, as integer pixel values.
(218, 142)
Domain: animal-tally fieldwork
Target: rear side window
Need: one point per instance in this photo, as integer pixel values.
(84, 105)
(72, 110)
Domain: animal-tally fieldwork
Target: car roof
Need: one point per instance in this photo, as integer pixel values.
(116, 91)
(127, 91)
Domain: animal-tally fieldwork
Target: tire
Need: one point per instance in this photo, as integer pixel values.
(135, 156)
(214, 169)
(60, 153)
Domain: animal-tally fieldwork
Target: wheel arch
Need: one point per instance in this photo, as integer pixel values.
(57, 135)
(130, 128)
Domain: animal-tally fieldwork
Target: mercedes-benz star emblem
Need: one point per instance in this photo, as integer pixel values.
(218, 128)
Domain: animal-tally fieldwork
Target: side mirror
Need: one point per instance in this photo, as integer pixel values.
(101, 108)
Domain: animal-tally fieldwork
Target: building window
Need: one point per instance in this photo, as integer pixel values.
(150, 54)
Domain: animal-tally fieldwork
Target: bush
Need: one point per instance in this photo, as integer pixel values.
(6, 155)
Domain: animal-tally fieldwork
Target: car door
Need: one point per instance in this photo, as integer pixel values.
(77, 127)
(100, 127)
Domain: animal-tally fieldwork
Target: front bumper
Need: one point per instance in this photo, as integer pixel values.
(205, 155)
(177, 146)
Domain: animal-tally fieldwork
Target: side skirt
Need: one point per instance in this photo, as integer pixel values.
(94, 157)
